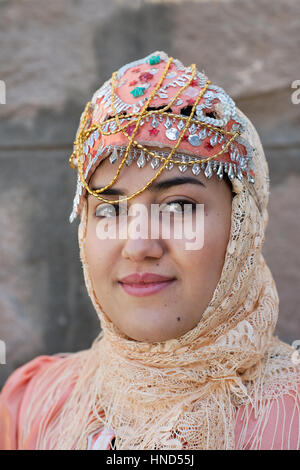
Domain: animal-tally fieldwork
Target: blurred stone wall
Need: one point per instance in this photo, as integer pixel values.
(53, 56)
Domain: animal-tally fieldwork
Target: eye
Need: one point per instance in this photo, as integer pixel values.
(177, 206)
(108, 210)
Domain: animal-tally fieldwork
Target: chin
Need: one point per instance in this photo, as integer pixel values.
(150, 326)
(152, 338)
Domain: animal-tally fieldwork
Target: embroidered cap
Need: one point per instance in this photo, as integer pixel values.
(157, 102)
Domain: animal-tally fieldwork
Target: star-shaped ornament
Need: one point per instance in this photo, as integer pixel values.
(208, 146)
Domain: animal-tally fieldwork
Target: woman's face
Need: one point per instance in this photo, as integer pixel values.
(169, 312)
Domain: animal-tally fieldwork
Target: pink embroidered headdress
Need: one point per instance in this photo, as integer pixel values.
(156, 101)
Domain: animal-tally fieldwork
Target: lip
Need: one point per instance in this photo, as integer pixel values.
(144, 278)
(143, 289)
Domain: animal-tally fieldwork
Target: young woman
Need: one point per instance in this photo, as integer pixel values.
(186, 358)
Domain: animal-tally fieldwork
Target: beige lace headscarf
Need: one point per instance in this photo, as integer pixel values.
(184, 392)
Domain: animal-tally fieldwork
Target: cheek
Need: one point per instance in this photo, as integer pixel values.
(217, 231)
(205, 264)
(98, 253)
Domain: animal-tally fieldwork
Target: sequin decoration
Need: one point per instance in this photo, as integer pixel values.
(172, 133)
(171, 75)
(194, 140)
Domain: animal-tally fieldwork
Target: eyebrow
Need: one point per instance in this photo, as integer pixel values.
(154, 187)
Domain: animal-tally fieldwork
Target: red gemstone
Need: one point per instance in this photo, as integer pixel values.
(153, 131)
(194, 83)
(134, 82)
(130, 129)
(136, 70)
(185, 138)
(208, 145)
(146, 76)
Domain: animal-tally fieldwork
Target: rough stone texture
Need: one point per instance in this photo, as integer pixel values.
(282, 253)
(53, 57)
(43, 302)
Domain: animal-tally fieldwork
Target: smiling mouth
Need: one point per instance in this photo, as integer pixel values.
(144, 289)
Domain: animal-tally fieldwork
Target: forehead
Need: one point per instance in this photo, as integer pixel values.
(130, 175)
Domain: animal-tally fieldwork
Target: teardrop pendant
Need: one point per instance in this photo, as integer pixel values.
(213, 140)
(182, 168)
(141, 162)
(196, 169)
(220, 171)
(168, 123)
(193, 129)
(230, 172)
(155, 163)
(114, 156)
(208, 170)
(154, 121)
(202, 134)
(180, 125)
(169, 165)
(239, 174)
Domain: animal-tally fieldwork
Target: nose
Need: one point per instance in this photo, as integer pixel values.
(139, 244)
(138, 250)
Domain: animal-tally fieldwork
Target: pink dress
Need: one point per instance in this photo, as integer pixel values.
(280, 430)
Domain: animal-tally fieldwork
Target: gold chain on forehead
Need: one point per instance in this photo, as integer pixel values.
(83, 134)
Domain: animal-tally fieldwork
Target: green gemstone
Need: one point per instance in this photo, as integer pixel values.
(138, 91)
(154, 59)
